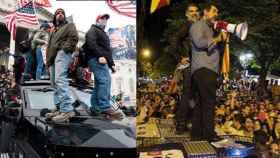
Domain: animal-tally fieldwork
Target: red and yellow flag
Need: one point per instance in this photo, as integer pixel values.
(156, 4)
(226, 60)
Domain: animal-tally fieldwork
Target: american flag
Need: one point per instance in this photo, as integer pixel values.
(24, 14)
(27, 14)
(10, 20)
(41, 3)
(116, 38)
(127, 8)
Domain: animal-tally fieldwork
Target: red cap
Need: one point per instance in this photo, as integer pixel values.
(107, 16)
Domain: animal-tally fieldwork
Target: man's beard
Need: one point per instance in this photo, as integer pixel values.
(194, 18)
(60, 20)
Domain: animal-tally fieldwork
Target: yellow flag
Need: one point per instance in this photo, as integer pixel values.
(226, 60)
(156, 4)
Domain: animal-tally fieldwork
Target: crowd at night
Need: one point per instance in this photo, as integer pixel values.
(241, 109)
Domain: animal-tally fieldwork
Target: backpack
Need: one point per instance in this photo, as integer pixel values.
(82, 58)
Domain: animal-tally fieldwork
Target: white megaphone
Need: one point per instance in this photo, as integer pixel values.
(240, 30)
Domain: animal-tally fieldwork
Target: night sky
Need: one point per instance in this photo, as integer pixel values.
(154, 25)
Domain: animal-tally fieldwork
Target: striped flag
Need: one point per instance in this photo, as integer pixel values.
(10, 20)
(116, 38)
(156, 4)
(27, 14)
(41, 3)
(24, 14)
(127, 8)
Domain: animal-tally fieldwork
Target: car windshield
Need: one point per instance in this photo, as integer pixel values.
(39, 98)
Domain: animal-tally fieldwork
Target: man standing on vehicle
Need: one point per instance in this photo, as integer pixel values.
(40, 41)
(207, 46)
(62, 44)
(99, 54)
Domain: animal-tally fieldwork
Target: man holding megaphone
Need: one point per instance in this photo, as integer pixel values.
(207, 47)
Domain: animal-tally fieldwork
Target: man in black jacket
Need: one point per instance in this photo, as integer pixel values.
(99, 54)
(62, 44)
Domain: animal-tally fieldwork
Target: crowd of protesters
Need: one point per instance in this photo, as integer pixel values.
(242, 110)
(8, 87)
(155, 99)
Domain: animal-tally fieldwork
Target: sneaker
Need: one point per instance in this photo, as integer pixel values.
(63, 117)
(114, 114)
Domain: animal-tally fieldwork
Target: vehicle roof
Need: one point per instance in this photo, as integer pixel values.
(83, 130)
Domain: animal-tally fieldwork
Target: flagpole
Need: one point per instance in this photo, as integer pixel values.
(12, 52)
(34, 8)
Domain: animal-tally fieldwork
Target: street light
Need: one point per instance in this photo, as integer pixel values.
(249, 56)
(245, 60)
(242, 58)
(146, 53)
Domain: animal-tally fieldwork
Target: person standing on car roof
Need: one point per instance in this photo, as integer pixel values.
(39, 42)
(100, 60)
(62, 44)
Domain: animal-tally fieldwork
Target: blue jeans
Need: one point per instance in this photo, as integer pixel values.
(59, 80)
(52, 79)
(40, 64)
(101, 93)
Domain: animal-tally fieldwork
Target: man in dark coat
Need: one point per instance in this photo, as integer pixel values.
(62, 44)
(99, 54)
(183, 110)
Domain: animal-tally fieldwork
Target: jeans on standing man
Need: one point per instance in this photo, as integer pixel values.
(62, 43)
(59, 80)
(40, 63)
(100, 60)
(100, 98)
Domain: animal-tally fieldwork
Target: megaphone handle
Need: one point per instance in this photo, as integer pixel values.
(225, 36)
(227, 40)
